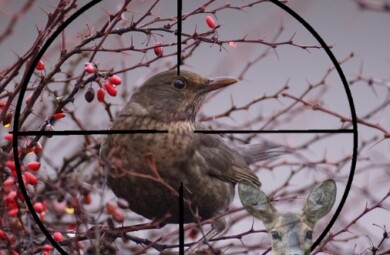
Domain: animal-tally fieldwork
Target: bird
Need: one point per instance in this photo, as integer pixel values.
(146, 169)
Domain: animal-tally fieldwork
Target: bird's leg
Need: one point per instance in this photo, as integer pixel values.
(203, 241)
(152, 165)
(217, 227)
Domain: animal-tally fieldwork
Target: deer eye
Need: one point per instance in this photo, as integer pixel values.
(276, 236)
(309, 235)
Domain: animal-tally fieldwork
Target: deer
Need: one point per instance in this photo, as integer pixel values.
(291, 232)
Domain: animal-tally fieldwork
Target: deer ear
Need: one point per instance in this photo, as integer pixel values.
(255, 201)
(320, 201)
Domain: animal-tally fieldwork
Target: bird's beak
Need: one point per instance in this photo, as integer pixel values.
(220, 82)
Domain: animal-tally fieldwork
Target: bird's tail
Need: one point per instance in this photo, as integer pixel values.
(262, 151)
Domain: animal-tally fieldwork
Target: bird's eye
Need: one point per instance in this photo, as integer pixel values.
(179, 84)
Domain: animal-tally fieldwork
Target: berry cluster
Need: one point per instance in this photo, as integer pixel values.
(109, 86)
(115, 211)
(13, 200)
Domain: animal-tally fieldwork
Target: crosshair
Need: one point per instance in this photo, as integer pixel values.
(16, 133)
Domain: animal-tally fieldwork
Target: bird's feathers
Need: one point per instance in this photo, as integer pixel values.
(265, 150)
(223, 162)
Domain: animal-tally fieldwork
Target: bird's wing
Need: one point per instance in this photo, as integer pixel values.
(223, 162)
(253, 153)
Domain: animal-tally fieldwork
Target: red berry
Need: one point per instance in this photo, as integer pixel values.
(10, 164)
(30, 178)
(13, 173)
(118, 215)
(11, 204)
(87, 199)
(13, 212)
(34, 166)
(11, 196)
(40, 66)
(110, 208)
(100, 95)
(3, 235)
(38, 148)
(193, 233)
(158, 50)
(58, 236)
(38, 207)
(20, 196)
(210, 22)
(8, 184)
(47, 247)
(89, 67)
(115, 212)
(116, 80)
(58, 115)
(9, 137)
(111, 90)
(2, 104)
(71, 227)
(42, 216)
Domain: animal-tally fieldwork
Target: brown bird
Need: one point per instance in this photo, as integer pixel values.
(147, 169)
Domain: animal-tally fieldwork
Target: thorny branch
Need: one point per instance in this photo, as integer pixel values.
(66, 193)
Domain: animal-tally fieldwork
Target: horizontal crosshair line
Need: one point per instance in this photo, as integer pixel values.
(283, 131)
(90, 132)
(154, 131)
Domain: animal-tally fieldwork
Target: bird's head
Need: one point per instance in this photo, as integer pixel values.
(168, 97)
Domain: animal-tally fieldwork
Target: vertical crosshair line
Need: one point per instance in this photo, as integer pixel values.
(181, 220)
(179, 10)
(181, 195)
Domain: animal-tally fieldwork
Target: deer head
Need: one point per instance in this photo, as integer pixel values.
(291, 232)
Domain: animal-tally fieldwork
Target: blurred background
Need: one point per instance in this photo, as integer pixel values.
(287, 81)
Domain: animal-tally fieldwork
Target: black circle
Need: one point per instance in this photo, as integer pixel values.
(353, 115)
(17, 114)
(91, 4)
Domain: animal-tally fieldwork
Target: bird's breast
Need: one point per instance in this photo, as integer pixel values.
(176, 145)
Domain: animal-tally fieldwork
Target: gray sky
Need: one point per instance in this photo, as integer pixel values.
(340, 23)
